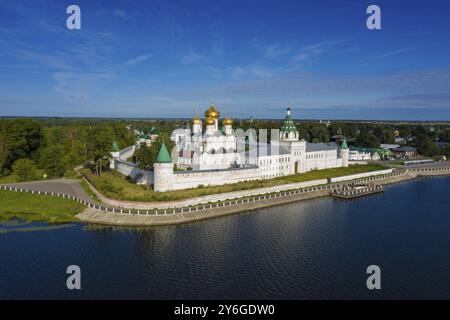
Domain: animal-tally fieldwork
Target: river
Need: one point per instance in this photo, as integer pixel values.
(316, 249)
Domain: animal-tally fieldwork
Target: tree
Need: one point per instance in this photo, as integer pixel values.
(4, 145)
(367, 139)
(425, 145)
(350, 130)
(24, 170)
(53, 160)
(385, 135)
(319, 133)
(444, 135)
(122, 136)
(405, 131)
(56, 135)
(447, 151)
(99, 145)
(24, 137)
(303, 133)
(144, 157)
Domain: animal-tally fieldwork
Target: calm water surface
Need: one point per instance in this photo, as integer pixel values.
(312, 249)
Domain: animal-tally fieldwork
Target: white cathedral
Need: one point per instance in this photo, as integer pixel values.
(214, 156)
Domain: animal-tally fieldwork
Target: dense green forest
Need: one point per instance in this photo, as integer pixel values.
(32, 149)
(47, 148)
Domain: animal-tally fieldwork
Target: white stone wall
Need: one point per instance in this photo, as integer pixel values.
(274, 166)
(361, 175)
(119, 162)
(193, 179)
(140, 176)
(318, 160)
(124, 167)
(127, 153)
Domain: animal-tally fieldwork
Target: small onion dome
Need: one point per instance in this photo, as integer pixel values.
(209, 121)
(227, 121)
(212, 112)
(196, 119)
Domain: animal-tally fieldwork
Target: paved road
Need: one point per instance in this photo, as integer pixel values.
(66, 186)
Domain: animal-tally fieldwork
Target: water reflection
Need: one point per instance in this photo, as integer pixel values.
(311, 249)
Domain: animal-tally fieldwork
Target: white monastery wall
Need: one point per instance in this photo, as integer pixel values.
(361, 175)
(318, 160)
(193, 179)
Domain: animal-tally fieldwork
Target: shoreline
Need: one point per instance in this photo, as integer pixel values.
(94, 216)
(102, 214)
(195, 200)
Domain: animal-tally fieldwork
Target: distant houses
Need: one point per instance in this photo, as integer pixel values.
(362, 154)
(391, 147)
(404, 140)
(405, 152)
(385, 152)
(401, 152)
(147, 138)
(442, 144)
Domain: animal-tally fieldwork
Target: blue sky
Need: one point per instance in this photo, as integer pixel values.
(253, 58)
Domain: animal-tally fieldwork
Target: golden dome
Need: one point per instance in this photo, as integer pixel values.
(209, 121)
(212, 112)
(196, 119)
(227, 121)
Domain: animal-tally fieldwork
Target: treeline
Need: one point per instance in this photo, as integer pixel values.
(367, 134)
(32, 149)
(362, 134)
(321, 132)
(37, 148)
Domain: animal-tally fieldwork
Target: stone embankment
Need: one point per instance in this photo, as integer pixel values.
(240, 201)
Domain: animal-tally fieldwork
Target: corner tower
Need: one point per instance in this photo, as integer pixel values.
(344, 152)
(163, 170)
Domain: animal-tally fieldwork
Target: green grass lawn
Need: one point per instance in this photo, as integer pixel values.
(89, 191)
(114, 185)
(8, 179)
(32, 207)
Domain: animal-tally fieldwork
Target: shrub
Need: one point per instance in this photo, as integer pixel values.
(25, 170)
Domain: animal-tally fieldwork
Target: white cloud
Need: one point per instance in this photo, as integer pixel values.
(136, 60)
(311, 53)
(192, 58)
(275, 50)
(237, 72)
(121, 14)
(78, 85)
(391, 53)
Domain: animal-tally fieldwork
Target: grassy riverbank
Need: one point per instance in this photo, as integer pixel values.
(114, 185)
(32, 207)
(8, 179)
